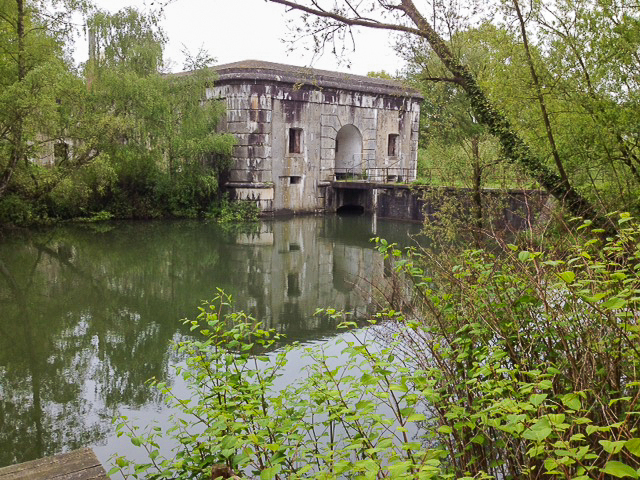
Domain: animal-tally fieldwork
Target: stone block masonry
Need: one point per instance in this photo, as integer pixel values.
(298, 129)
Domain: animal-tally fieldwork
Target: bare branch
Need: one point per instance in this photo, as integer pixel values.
(349, 21)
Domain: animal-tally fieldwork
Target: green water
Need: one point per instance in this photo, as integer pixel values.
(88, 313)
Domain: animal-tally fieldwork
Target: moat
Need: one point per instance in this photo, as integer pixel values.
(89, 312)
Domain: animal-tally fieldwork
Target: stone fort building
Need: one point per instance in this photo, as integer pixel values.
(300, 129)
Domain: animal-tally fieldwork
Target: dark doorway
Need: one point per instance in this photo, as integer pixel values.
(350, 210)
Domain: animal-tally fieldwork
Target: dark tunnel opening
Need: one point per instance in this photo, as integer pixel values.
(350, 210)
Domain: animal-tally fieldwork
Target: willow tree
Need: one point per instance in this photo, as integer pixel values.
(167, 153)
(331, 21)
(34, 76)
(126, 40)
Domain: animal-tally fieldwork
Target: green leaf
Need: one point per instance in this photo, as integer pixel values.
(568, 276)
(268, 473)
(572, 400)
(416, 417)
(614, 303)
(537, 398)
(633, 445)
(524, 256)
(538, 431)
(619, 469)
(611, 447)
(399, 468)
(545, 384)
(556, 418)
(592, 428)
(596, 298)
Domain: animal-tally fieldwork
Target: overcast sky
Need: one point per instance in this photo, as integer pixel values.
(234, 30)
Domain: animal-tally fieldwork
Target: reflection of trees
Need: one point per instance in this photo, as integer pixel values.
(83, 326)
(86, 318)
(37, 389)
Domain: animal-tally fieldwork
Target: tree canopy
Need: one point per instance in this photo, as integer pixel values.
(563, 64)
(116, 136)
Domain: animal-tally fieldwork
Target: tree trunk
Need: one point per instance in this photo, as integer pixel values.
(477, 189)
(541, 102)
(17, 149)
(516, 150)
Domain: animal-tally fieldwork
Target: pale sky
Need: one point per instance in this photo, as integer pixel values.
(234, 30)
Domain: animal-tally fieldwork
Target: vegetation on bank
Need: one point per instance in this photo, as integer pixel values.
(522, 365)
(514, 95)
(114, 138)
(457, 171)
(517, 365)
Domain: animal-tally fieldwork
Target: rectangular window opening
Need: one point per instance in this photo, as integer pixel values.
(295, 140)
(392, 149)
(295, 180)
(293, 285)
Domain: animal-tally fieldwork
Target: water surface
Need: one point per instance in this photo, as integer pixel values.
(88, 313)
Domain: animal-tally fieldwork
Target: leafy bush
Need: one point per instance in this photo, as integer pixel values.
(16, 211)
(192, 190)
(441, 163)
(517, 366)
(228, 212)
(531, 362)
(70, 198)
(325, 426)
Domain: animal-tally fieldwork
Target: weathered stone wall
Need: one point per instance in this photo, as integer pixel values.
(249, 117)
(265, 105)
(513, 209)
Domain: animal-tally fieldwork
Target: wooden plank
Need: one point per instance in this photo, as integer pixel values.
(77, 465)
(93, 473)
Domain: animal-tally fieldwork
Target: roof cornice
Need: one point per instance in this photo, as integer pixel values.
(260, 71)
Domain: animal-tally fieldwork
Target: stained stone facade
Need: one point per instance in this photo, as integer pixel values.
(298, 129)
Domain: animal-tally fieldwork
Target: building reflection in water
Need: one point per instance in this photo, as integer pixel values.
(290, 268)
(87, 316)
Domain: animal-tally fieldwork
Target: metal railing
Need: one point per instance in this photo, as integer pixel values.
(373, 175)
(364, 169)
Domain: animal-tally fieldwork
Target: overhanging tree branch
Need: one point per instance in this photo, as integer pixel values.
(456, 81)
(349, 21)
(515, 149)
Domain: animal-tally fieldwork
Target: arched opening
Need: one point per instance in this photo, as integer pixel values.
(348, 153)
(350, 210)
